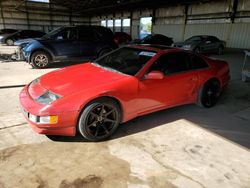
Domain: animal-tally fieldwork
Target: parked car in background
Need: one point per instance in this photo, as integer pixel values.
(154, 39)
(69, 44)
(94, 98)
(7, 31)
(203, 44)
(9, 39)
(122, 38)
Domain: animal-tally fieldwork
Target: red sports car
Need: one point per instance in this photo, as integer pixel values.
(95, 97)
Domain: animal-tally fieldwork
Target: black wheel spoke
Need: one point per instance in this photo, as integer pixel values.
(109, 120)
(105, 128)
(94, 114)
(110, 112)
(92, 124)
(102, 110)
(97, 130)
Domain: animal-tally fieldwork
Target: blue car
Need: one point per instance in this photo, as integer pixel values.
(69, 44)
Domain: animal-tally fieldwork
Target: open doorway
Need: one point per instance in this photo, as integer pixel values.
(145, 27)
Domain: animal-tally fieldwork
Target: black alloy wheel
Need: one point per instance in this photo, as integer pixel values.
(209, 94)
(99, 119)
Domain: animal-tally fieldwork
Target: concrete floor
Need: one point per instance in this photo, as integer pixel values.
(186, 146)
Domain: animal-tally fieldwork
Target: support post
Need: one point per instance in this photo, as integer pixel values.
(1, 9)
(185, 22)
(27, 15)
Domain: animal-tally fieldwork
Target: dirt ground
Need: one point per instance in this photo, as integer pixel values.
(186, 146)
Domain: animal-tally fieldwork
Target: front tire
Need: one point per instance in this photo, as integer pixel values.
(99, 119)
(209, 94)
(40, 60)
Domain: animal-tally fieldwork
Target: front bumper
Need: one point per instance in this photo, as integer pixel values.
(66, 124)
(26, 55)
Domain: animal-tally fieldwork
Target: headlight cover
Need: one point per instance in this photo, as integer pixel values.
(34, 82)
(47, 98)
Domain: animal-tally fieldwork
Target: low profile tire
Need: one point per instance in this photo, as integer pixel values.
(40, 60)
(104, 51)
(220, 50)
(209, 94)
(99, 119)
(9, 42)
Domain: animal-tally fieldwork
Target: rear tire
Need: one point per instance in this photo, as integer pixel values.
(220, 50)
(209, 94)
(99, 119)
(40, 60)
(9, 42)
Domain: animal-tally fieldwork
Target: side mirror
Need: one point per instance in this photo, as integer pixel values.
(154, 75)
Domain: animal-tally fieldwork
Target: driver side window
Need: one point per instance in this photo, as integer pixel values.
(172, 63)
(67, 34)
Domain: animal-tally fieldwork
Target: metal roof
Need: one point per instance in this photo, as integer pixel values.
(96, 7)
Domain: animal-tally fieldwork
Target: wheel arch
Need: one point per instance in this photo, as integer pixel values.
(43, 50)
(213, 79)
(82, 107)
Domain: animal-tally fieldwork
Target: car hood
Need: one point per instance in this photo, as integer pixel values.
(24, 41)
(77, 78)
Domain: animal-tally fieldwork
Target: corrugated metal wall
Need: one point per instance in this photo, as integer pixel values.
(211, 18)
(37, 16)
(208, 18)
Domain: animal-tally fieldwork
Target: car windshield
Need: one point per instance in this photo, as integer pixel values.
(194, 39)
(52, 33)
(125, 60)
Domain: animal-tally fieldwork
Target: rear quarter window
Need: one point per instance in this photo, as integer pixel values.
(198, 62)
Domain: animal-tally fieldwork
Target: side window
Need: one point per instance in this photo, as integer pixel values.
(197, 62)
(214, 39)
(172, 63)
(86, 33)
(67, 34)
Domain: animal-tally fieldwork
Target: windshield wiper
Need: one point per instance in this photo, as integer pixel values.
(107, 68)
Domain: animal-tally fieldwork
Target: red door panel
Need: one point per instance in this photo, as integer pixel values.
(173, 90)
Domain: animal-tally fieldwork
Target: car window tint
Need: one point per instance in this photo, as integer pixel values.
(214, 39)
(172, 63)
(85, 33)
(197, 62)
(67, 34)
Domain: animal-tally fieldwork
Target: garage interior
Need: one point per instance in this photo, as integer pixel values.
(185, 146)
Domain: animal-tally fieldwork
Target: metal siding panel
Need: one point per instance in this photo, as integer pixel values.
(174, 31)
